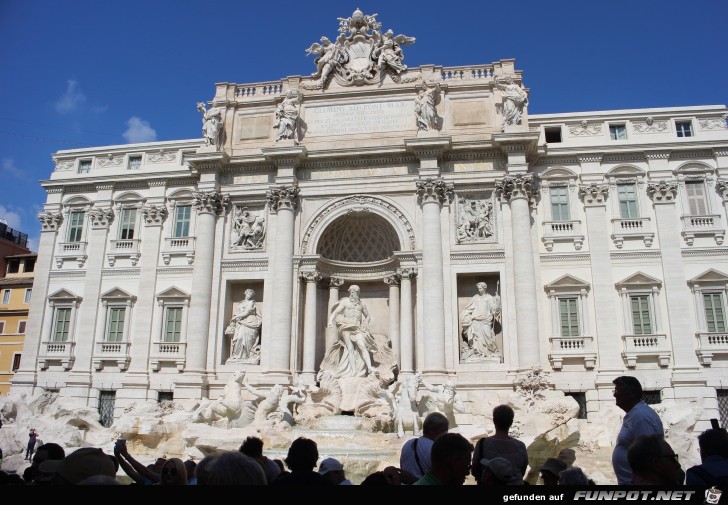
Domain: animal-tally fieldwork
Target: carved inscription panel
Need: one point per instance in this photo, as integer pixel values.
(371, 117)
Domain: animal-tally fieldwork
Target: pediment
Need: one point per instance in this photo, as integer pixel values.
(63, 295)
(173, 292)
(710, 276)
(625, 171)
(693, 168)
(558, 173)
(117, 294)
(567, 282)
(639, 280)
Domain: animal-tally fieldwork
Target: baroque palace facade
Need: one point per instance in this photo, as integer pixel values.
(599, 236)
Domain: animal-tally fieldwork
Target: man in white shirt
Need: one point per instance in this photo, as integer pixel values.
(415, 455)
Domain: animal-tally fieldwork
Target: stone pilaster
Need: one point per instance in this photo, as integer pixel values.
(433, 193)
(518, 191)
(393, 282)
(311, 278)
(406, 326)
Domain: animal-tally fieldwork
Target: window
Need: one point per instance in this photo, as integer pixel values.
(617, 132)
(651, 397)
(107, 403)
(581, 400)
(697, 201)
(553, 134)
(714, 315)
(16, 362)
(135, 162)
(115, 331)
(173, 324)
(684, 128)
(13, 266)
(75, 226)
(6, 296)
(559, 203)
(29, 265)
(569, 317)
(165, 396)
(28, 294)
(723, 406)
(641, 319)
(182, 220)
(127, 224)
(21, 327)
(2, 326)
(62, 324)
(84, 166)
(627, 195)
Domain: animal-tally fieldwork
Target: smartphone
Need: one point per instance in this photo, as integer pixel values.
(714, 424)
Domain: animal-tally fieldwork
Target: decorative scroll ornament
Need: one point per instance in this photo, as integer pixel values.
(650, 126)
(211, 202)
(714, 123)
(585, 129)
(434, 190)
(100, 218)
(335, 282)
(393, 279)
(283, 197)
(109, 161)
(310, 276)
(362, 54)
(154, 215)
(519, 186)
(50, 221)
(662, 191)
(407, 272)
(249, 229)
(594, 194)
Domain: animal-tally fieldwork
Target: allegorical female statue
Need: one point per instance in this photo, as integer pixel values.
(244, 328)
(478, 319)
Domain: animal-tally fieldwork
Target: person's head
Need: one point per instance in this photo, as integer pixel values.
(450, 458)
(499, 472)
(48, 451)
(568, 456)
(202, 470)
(173, 473)
(653, 461)
(449, 388)
(503, 417)
(627, 392)
(79, 465)
(302, 455)
(253, 447)
(376, 479)
(190, 467)
(550, 471)
(333, 470)
(573, 476)
(482, 286)
(235, 468)
(713, 442)
(354, 292)
(249, 294)
(435, 425)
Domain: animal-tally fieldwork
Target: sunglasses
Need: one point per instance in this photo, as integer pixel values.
(169, 471)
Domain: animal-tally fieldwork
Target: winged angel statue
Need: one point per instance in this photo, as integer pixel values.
(361, 54)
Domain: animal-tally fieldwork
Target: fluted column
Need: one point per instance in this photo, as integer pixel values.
(406, 328)
(331, 333)
(393, 282)
(282, 201)
(311, 278)
(517, 191)
(209, 205)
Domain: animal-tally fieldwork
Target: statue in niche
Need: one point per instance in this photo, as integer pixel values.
(476, 221)
(350, 355)
(427, 98)
(211, 124)
(514, 100)
(244, 328)
(444, 399)
(478, 320)
(248, 229)
(287, 120)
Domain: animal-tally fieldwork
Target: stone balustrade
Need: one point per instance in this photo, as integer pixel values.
(652, 346)
(711, 344)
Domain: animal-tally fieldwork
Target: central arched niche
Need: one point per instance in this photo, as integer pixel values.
(359, 237)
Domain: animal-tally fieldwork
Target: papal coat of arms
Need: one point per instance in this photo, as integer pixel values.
(361, 54)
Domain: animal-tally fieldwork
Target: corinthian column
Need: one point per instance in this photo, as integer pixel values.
(432, 194)
(309, 326)
(209, 205)
(406, 332)
(517, 191)
(277, 352)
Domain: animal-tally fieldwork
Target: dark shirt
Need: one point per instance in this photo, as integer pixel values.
(716, 466)
(32, 436)
(301, 478)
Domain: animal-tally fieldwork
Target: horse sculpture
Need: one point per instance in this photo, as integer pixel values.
(228, 406)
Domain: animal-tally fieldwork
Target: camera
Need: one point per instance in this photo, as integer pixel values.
(120, 441)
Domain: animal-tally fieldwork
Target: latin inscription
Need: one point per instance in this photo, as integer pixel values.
(351, 119)
(345, 173)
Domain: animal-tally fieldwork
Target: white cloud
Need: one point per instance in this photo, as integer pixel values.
(33, 243)
(8, 167)
(139, 131)
(71, 99)
(10, 217)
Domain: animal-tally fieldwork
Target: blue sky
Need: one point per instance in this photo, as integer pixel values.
(80, 73)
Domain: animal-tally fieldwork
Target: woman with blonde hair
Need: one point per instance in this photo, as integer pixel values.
(173, 473)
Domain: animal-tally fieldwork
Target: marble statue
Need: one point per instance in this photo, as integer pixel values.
(428, 97)
(406, 414)
(330, 57)
(211, 124)
(475, 221)
(284, 415)
(266, 404)
(390, 53)
(443, 399)
(287, 121)
(322, 400)
(478, 319)
(248, 229)
(515, 99)
(228, 407)
(244, 328)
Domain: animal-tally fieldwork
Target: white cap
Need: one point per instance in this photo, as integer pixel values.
(330, 465)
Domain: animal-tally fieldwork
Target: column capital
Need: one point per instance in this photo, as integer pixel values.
(518, 186)
(282, 197)
(154, 215)
(594, 194)
(722, 186)
(210, 202)
(663, 191)
(313, 276)
(434, 190)
(393, 279)
(408, 272)
(50, 221)
(335, 282)
(100, 217)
